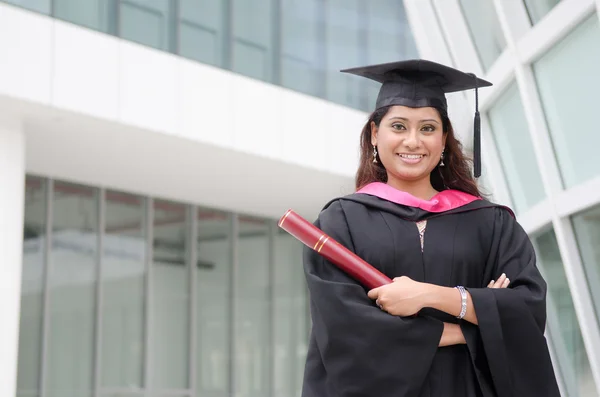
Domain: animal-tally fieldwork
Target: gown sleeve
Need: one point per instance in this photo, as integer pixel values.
(362, 350)
(509, 345)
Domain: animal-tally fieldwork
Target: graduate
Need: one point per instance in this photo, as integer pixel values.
(466, 312)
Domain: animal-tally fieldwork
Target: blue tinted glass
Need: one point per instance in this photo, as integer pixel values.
(148, 22)
(201, 33)
(302, 49)
(344, 50)
(252, 41)
(94, 14)
(389, 39)
(43, 6)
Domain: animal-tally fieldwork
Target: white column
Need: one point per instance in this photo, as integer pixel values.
(12, 185)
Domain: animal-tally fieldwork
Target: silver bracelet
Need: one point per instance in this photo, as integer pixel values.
(463, 298)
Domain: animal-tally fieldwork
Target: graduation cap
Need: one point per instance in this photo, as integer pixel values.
(423, 83)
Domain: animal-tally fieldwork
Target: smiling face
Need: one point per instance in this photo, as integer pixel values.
(409, 143)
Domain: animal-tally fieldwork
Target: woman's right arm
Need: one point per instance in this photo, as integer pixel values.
(357, 349)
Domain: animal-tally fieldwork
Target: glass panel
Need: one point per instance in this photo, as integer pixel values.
(253, 38)
(123, 275)
(562, 321)
(32, 288)
(213, 294)
(302, 46)
(149, 22)
(252, 322)
(389, 39)
(587, 230)
(486, 32)
(570, 103)
(290, 337)
(516, 149)
(538, 8)
(170, 297)
(72, 291)
(201, 30)
(343, 43)
(43, 6)
(94, 14)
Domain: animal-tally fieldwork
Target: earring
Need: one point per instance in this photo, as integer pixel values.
(374, 154)
(442, 159)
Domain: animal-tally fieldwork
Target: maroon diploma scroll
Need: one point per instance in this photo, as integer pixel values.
(333, 251)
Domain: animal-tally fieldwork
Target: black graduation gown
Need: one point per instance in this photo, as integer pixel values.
(355, 349)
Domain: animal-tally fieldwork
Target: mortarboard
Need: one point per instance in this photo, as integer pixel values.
(423, 83)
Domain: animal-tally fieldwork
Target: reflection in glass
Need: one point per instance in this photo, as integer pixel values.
(93, 14)
(516, 150)
(72, 294)
(569, 102)
(213, 325)
(537, 9)
(587, 230)
(290, 316)
(562, 320)
(388, 37)
(253, 38)
(344, 48)
(170, 303)
(32, 288)
(486, 32)
(252, 309)
(123, 275)
(302, 47)
(201, 30)
(149, 22)
(41, 6)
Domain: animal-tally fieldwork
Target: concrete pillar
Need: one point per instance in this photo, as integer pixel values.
(12, 185)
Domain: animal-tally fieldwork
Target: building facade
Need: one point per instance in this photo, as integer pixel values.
(148, 147)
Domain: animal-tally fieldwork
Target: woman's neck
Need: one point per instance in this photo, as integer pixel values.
(421, 189)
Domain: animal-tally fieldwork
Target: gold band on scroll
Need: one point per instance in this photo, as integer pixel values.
(318, 241)
(285, 216)
(324, 241)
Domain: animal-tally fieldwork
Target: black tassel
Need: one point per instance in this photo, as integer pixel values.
(476, 134)
(477, 146)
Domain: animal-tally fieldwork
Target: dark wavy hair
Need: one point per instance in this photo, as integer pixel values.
(456, 174)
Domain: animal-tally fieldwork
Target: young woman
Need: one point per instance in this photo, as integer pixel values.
(465, 315)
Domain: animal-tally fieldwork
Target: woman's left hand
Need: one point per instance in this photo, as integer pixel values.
(404, 297)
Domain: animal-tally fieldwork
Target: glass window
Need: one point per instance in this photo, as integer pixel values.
(72, 294)
(302, 47)
(94, 14)
(587, 230)
(538, 8)
(389, 39)
(213, 302)
(32, 288)
(253, 37)
(486, 32)
(149, 22)
(252, 309)
(123, 291)
(42, 6)
(170, 303)
(515, 147)
(201, 33)
(568, 83)
(564, 330)
(344, 50)
(290, 312)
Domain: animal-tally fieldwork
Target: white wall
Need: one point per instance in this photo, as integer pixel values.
(12, 188)
(59, 77)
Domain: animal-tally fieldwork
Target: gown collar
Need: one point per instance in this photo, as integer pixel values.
(443, 201)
